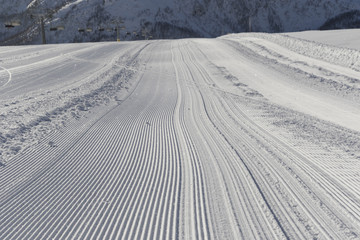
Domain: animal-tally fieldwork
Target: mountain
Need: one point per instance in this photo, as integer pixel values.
(164, 18)
(349, 19)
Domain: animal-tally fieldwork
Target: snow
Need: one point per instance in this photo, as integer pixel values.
(69, 5)
(347, 38)
(311, 100)
(240, 137)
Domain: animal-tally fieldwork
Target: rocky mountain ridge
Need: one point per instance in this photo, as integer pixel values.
(98, 20)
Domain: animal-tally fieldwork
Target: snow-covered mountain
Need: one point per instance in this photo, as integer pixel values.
(164, 18)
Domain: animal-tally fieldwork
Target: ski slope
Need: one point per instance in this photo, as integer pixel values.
(346, 38)
(246, 136)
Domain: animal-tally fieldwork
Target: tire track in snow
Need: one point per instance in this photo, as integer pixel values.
(301, 176)
(215, 135)
(320, 217)
(230, 183)
(195, 208)
(336, 192)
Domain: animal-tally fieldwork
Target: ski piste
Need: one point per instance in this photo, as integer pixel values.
(241, 137)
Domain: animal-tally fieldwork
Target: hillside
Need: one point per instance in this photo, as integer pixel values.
(166, 19)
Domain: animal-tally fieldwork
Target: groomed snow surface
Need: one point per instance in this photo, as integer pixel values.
(247, 136)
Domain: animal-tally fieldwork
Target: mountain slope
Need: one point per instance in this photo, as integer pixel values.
(171, 19)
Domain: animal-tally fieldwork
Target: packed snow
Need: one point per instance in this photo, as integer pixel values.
(246, 136)
(346, 38)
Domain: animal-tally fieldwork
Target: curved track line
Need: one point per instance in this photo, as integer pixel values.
(10, 76)
(317, 217)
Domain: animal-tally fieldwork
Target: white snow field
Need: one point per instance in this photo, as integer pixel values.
(348, 38)
(247, 136)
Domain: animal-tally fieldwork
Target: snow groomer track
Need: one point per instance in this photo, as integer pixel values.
(242, 137)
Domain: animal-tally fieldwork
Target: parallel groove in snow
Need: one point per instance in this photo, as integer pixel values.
(147, 136)
(339, 191)
(215, 137)
(309, 206)
(178, 158)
